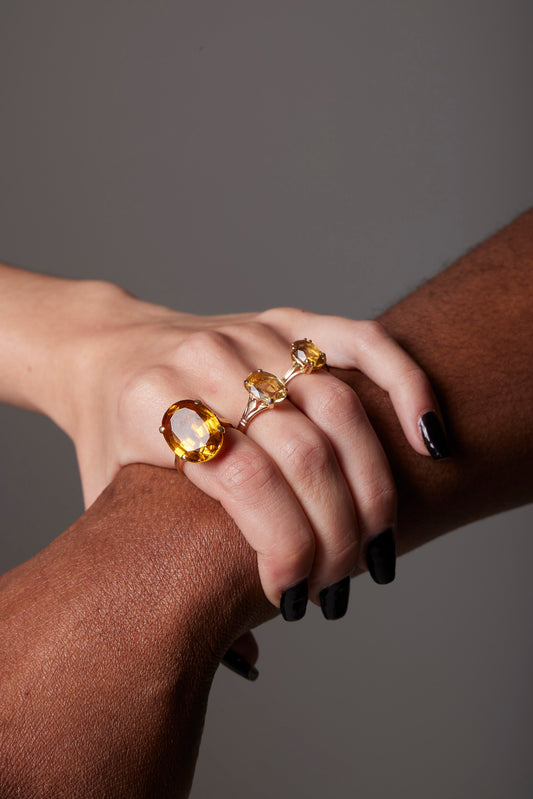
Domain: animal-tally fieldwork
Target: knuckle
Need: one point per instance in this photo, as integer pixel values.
(254, 332)
(202, 349)
(379, 500)
(248, 476)
(148, 389)
(308, 457)
(344, 551)
(413, 378)
(371, 333)
(146, 395)
(337, 399)
(288, 558)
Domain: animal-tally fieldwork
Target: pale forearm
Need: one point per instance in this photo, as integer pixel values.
(40, 316)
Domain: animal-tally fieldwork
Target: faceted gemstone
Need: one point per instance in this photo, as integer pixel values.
(192, 431)
(265, 387)
(308, 355)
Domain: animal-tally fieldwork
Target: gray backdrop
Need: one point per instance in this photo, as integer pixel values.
(226, 156)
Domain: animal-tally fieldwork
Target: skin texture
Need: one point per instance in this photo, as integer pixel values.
(111, 637)
(471, 328)
(114, 631)
(105, 366)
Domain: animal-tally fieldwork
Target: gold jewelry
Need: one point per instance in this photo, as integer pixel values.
(306, 358)
(193, 431)
(265, 392)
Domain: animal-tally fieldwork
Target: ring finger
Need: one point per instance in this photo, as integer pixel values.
(309, 464)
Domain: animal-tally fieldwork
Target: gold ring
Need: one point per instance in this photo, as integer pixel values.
(306, 358)
(193, 431)
(265, 392)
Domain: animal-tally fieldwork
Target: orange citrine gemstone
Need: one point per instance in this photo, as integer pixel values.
(266, 387)
(192, 431)
(308, 355)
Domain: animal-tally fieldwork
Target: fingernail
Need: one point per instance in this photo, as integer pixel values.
(334, 599)
(434, 436)
(294, 602)
(240, 665)
(381, 557)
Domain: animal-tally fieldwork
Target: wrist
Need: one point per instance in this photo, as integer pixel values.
(42, 320)
(76, 344)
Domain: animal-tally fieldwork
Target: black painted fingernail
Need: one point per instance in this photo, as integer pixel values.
(294, 602)
(235, 662)
(334, 599)
(434, 436)
(381, 557)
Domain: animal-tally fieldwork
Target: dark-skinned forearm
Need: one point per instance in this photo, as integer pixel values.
(110, 639)
(471, 329)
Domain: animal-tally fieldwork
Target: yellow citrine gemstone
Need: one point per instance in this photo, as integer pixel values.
(307, 354)
(266, 387)
(192, 431)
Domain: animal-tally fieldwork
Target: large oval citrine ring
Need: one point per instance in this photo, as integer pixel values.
(193, 431)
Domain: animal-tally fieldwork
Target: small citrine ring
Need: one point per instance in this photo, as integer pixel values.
(266, 390)
(193, 431)
(306, 358)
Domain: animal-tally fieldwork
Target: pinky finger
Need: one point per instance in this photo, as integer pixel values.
(408, 386)
(367, 346)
